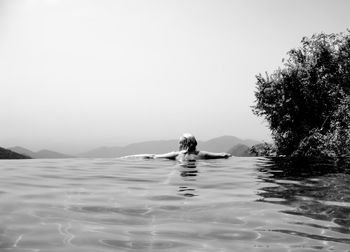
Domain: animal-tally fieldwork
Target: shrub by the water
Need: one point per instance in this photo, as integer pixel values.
(307, 101)
(263, 150)
(8, 154)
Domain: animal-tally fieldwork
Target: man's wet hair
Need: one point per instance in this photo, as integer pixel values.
(187, 142)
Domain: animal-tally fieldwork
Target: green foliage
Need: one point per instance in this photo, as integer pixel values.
(306, 103)
(8, 154)
(263, 150)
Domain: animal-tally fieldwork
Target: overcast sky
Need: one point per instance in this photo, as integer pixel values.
(77, 74)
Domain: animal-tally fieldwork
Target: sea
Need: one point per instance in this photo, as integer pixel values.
(236, 204)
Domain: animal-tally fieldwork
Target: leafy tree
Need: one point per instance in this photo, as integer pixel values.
(263, 150)
(306, 103)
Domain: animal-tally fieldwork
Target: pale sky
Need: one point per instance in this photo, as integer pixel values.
(79, 74)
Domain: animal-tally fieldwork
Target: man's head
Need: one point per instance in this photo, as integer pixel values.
(187, 142)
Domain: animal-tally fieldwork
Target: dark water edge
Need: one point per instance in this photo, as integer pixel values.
(308, 166)
(317, 189)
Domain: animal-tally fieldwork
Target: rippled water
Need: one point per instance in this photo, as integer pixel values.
(239, 204)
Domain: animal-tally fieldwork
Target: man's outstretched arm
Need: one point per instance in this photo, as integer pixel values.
(214, 155)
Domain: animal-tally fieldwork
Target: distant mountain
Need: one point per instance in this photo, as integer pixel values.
(161, 146)
(102, 152)
(39, 154)
(8, 154)
(50, 154)
(240, 150)
(23, 151)
(224, 143)
(219, 144)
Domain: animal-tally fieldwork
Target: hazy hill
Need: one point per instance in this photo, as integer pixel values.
(8, 154)
(50, 154)
(224, 143)
(39, 154)
(219, 144)
(135, 148)
(22, 151)
(240, 150)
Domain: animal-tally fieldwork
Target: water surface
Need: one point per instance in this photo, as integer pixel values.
(238, 204)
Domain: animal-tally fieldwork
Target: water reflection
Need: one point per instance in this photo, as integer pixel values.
(188, 171)
(318, 191)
